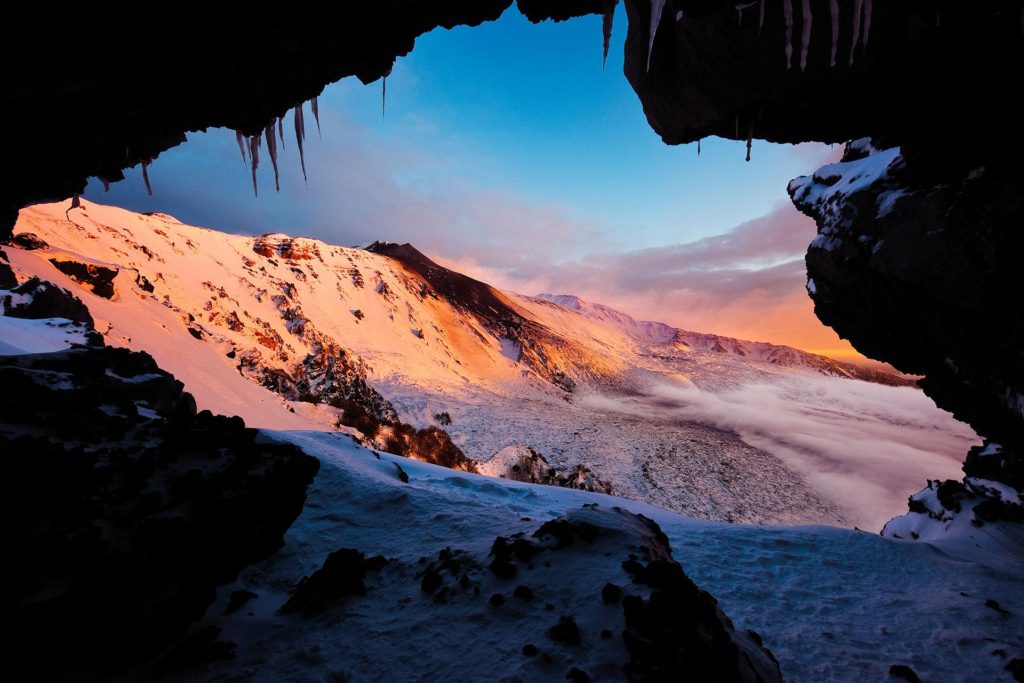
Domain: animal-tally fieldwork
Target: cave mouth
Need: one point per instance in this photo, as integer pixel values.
(912, 257)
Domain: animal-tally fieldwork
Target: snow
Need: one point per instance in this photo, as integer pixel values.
(510, 349)
(19, 336)
(831, 604)
(829, 187)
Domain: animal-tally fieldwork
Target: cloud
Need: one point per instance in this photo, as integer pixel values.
(865, 446)
(747, 283)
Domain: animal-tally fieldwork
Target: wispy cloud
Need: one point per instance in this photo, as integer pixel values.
(865, 446)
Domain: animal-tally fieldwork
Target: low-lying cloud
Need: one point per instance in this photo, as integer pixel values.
(866, 447)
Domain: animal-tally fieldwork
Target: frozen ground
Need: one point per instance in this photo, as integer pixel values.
(831, 604)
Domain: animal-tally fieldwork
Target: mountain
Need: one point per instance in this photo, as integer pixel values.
(295, 333)
(392, 564)
(656, 333)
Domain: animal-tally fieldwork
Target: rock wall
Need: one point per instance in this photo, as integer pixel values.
(124, 509)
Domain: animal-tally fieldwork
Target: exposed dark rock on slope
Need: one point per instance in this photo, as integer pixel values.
(123, 509)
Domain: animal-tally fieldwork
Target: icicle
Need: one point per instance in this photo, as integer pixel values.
(145, 176)
(805, 40)
(760, 22)
(254, 154)
(867, 22)
(787, 11)
(857, 6)
(280, 130)
(106, 184)
(314, 107)
(300, 134)
(272, 151)
(241, 147)
(739, 11)
(750, 138)
(606, 29)
(833, 6)
(737, 124)
(698, 146)
(656, 8)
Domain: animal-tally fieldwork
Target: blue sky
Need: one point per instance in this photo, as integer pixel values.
(507, 151)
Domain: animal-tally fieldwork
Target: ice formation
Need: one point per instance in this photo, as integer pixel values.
(254, 154)
(833, 6)
(787, 10)
(805, 39)
(280, 130)
(867, 22)
(857, 11)
(241, 146)
(606, 27)
(739, 11)
(272, 152)
(145, 176)
(760, 21)
(300, 135)
(315, 108)
(656, 8)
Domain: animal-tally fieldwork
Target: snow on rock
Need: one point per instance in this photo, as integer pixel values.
(830, 604)
(522, 463)
(37, 317)
(826, 193)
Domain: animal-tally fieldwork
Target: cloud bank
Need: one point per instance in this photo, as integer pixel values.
(865, 446)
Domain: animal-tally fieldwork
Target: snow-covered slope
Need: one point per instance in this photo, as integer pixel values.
(831, 604)
(286, 332)
(665, 336)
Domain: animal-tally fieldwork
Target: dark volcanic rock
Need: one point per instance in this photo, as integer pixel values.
(928, 70)
(123, 508)
(918, 267)
(39, 299)
(342, 575)
(672, 629)
(916, 262)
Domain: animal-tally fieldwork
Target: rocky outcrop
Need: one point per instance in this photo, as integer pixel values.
(123, 508)
(671, 628)
(35, 299)
(915, 263)
(521, 463)
(919, 270)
